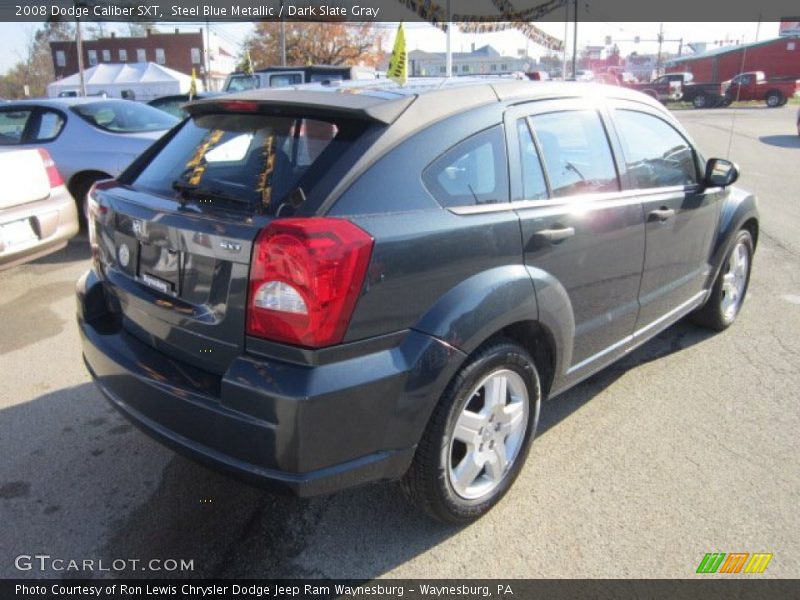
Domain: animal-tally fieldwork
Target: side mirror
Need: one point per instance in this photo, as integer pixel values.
(721, 172)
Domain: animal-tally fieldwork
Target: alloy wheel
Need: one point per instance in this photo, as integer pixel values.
(734, 280)
(488, 434)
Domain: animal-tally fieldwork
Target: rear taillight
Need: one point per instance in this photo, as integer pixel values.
(94, 211)
(52, 171)
(305, 279)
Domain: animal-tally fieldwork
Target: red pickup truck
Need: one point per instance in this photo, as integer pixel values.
(667, 88)
(755, 86)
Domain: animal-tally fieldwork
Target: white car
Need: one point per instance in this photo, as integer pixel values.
(38, 215)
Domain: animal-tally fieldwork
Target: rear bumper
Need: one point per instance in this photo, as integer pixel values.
(309, 429)
(54, 220)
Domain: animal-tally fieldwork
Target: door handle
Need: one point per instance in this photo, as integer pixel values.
(661, 214)
(555, 235)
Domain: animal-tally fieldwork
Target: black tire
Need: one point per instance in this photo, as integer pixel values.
(774, 99)
(428, 482)
(713, 314)
(80, 189)
(701, 101)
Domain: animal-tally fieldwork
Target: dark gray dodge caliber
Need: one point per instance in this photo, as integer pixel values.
(324, 286)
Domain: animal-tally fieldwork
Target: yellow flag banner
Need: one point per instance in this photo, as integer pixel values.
(398, 65)
(193, 86)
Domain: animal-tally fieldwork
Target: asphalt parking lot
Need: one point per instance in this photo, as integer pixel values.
(687, 446)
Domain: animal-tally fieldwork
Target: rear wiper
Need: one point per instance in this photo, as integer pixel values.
(189, 190)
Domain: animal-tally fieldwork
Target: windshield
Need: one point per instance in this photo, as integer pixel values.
(124, 116)
(242, 83)
(246, 159)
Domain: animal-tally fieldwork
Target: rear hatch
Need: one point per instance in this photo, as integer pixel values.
(174, 236)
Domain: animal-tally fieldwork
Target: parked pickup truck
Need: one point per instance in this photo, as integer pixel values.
(755, 86)
(272, 77)
(703, 95)
(667, 88)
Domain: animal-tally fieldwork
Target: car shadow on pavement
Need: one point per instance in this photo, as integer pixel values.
(678, 337)
(76, 249)
(79, 481)
(782, 141)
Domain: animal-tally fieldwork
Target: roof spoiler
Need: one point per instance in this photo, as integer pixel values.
(341, 103)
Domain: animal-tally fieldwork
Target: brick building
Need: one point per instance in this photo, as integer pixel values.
(181, 51)
(779, 57)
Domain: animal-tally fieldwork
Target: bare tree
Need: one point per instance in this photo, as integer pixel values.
(35, 67)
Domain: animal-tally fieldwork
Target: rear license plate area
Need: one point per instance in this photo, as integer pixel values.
(160, 268)
(17, 233)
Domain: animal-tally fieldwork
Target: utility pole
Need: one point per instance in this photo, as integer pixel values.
(660, 40)
(575, 42)
(207, 78)
(566, 33)
(79, 43)
(448, 61)
(282, 40)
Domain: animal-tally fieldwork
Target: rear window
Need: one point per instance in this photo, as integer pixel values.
(171, 106)
(285, 79)
(123, 116)
(12, 124)
(245, 160)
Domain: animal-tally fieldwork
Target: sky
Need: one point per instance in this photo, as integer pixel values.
(15, 36)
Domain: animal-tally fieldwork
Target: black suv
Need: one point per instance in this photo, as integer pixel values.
(321, 287)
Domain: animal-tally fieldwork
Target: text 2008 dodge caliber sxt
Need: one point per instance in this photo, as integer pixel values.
(328, 285)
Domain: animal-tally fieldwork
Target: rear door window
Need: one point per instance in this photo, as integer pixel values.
(472, 172)
(656, 155)
(576, 152)
(247, 160)
(12, 126)
(534, 186)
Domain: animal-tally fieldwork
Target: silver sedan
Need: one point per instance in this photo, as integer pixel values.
(89, 138)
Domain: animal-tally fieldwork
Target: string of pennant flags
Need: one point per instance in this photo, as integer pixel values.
(509, 18)
(529, 30)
